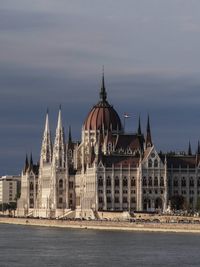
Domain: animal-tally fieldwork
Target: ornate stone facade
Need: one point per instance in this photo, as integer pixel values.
(109, 170)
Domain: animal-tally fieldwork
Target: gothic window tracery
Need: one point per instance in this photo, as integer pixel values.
(144, 181)
(125, 181)
(161, 181)
(155, 181)
(150, 163)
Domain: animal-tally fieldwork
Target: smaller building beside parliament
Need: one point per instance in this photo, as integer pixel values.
(108, 170)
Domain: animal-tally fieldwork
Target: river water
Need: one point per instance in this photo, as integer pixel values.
(30, 246)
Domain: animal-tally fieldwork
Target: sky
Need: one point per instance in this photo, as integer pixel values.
(52, 53)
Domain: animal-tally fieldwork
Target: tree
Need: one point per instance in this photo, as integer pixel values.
(177, 202)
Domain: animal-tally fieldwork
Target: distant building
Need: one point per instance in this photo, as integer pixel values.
(108, 170)
(9, 188)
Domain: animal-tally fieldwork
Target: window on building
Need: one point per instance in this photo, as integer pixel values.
(155, 163)
(31, 186)
(60, 200)
(198, 181)
(124, 199)
(133, 200)
(60, 183)
(144, 181)
(100, 200)
(161, 181)
(116, 181)
(116, 200)
(155, 181)
(100, 181)
(175, 181)
(133, 181)
(150, 181)
(191, 181)
(183, 182)
(108, 181)
(108, 200)
(125, 181)
(71, 185)
(150, 163)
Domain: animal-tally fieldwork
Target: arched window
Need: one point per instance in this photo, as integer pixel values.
(60, 200)
(150, 163)
(155, 181)
(108, 200)
(108, 181)
(125, 181)
(161, 181)
(60, 183)
(109, 147)
(100, 181)
(175, 181)
(183, 182)
(191, 181)
(133, 181)
(155, 163)
(150, 181)
(133, 200)
(144, 181)
(116, 181)
(31, 186)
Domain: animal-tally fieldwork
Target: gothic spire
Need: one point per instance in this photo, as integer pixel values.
(46, 150)
(139, 127)
(69, 135)
(59, 144)
(103, 94)
(148, 134)
(26, 165)
(189, 149)
(31, 162)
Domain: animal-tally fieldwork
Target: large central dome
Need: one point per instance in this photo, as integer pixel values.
(103, 115)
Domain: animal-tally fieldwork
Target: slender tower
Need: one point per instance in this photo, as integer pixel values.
(45, 169)
(46, 150)
(59, 172)
(148, 135)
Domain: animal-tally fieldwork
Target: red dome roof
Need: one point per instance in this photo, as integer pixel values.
(103, 115)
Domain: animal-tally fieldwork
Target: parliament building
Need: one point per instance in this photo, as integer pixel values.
(109, 170)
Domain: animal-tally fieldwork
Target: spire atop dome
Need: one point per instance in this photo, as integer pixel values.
(103, 94)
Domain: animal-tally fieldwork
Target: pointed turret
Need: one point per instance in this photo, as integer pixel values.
(139, 127)
(103, 94)
(189, 149)
(46, 149)
(59, 144)
(26, 165)
(69, 135)
(148, 135)
(31, 163)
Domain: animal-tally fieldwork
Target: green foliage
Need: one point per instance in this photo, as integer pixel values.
(178, 203)
(8, 206)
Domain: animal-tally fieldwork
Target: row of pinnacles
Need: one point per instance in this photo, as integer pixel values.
(47, 190)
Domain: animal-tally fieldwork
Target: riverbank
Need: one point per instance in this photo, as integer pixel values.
(106, 225)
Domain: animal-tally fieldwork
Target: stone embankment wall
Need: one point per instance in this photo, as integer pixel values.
(106, 225)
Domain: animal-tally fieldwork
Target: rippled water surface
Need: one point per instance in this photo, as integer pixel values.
(39, 246)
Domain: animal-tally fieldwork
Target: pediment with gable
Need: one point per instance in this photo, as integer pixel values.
(152, 159)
